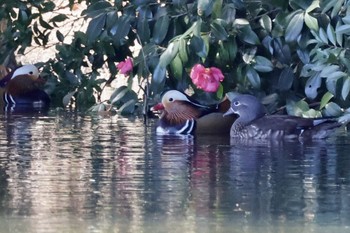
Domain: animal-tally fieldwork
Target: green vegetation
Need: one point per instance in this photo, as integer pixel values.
(293, 53)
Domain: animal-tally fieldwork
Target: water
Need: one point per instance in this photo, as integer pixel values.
(67, 172)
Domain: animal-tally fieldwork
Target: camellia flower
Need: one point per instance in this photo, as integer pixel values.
(125, 67)
(207, 79)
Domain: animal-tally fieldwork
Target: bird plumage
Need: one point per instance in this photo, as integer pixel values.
(181, 115)
(21, 89)
(253, 122)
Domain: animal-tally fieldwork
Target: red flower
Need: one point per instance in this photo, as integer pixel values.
(207, 79)
(125, 67)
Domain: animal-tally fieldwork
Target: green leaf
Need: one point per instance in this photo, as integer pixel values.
(328, 70)
(346, 88)
(44, 24)
(169, 54)
(218, 30)
(332, 109)
(60, 36)
(95, 27)
(339, 36)
(204, 7)
(143, 30)
(241, 22)
(248, 35)
(158, 79)
(325, 99)
(253, 77)
(248, 55)
(223, 53)
(121, 29)
(296, 108)
(336, 8)
(331, 34)
(345, 118)
(48, 6)
(311, 22)
(232, 48)
(328, 6)
(343, 29)
(195, 28)
(303, 55)
(266, 23)
(176, 67)
(97, 8)
(300, 4)
(118, 94)
(220, 92)
(331, 84)
(59, 18)
(121, 96)
(217, 9)
(294, 27)
(315, 4)
(312, 113)
(285, 79)
(262, 64)
(128, 107)
(336, 75)
(346, 19)
(198, 45)
(183, 50)
(312, 84)
(160, 29)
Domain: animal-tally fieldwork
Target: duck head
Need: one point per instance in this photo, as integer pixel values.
(248, 108)
(176, 107)
(29, 70)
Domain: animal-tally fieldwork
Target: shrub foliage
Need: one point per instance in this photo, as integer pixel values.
(293, 53)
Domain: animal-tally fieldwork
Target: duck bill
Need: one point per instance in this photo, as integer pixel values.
(157, 107)
(229, 112)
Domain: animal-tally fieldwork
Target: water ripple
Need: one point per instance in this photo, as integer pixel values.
(70, 172)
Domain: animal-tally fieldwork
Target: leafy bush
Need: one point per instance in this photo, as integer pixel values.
(294, 53)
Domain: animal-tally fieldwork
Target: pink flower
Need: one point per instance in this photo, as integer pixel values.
(125, 67)
(207, 79)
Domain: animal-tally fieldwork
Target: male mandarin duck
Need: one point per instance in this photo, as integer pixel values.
(21, 90)
(180, 115)
(253, 122)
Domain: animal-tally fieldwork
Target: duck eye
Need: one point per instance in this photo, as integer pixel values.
(31, 72)
(236, 103)
(171, 99)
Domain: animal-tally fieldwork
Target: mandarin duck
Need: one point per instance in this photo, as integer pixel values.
(20, 90)
(253, 122)
(180, 115)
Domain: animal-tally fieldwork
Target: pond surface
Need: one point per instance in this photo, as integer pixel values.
(67, 172)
